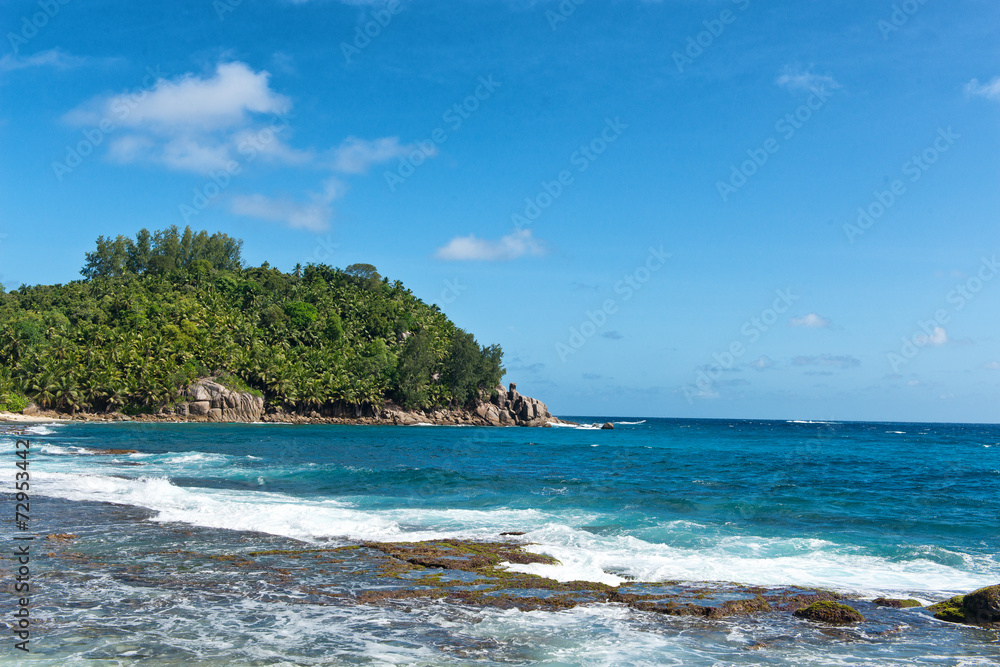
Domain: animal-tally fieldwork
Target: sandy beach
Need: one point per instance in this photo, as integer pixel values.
(16, 418)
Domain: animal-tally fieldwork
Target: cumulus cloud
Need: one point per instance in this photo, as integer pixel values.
(936, 339)
(762, 364)
(194, 123)
(811, 320)
(837, 361)
(226, 99)
(797, 79)
(470, 248)
(223, 121)
(990, 90)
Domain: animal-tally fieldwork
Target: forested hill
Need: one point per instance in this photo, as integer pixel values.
(156, 312)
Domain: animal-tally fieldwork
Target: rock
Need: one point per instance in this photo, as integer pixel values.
(949, 610)
(982, 607)
(608, 426)
(61, 537)
(500, 400)
(200, 408)
(198, 392)
(896, 603)
(209, 398)
(30, 410)
(830, 612)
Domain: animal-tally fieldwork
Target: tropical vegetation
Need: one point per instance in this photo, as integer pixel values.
(154, 313)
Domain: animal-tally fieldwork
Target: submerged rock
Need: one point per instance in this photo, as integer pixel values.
(828, 611)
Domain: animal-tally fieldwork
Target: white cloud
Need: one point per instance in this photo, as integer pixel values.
(356, 156)
(51, 58)
(224, 100)
(470, 248)
(762, 364)
(990, 91)
(992, 366)
(811, 320)
(937, 338)
(193, 123)
(313, 215)
(795, 78)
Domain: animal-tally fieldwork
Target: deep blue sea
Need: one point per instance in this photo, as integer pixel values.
(901, 510)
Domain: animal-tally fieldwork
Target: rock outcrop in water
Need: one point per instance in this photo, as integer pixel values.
(981, 607)
(827, 611)
(504, 407)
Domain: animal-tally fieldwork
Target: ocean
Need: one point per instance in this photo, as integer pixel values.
(153, 574)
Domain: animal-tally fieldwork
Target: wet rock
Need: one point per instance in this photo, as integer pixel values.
(949, 610)
(61, 537)
(828, 611)
(608, 426)
(896, 603)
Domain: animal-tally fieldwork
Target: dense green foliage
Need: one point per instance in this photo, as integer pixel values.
(157, 312)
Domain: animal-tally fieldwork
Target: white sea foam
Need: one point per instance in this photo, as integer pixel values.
(631, 423)
(607, 558)
(41, 429)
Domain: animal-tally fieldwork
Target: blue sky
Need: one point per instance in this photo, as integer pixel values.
(676, 208)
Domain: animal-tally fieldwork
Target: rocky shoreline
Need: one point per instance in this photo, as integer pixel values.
(478, 574)
(209, 401)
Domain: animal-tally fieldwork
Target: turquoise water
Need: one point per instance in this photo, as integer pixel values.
(904, 510)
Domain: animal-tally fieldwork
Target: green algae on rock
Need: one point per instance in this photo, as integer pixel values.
(982, 607)
(897, 603)
(827, 611)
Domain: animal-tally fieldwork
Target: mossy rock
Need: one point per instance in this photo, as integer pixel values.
(982, 607)
(949, 610)
(896, 603)
(827, 611)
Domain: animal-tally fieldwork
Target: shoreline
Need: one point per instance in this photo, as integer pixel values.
(447, 419)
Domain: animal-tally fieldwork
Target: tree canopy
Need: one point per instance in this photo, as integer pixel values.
(158, 311)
